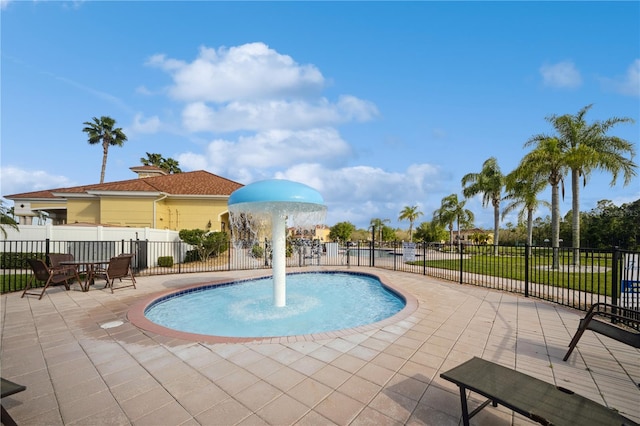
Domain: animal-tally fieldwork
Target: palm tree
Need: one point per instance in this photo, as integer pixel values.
(451, 210)
(376, 224)
(547, 161)
(6, 219)
(169, 165)
(152, 159)
(102, 130)
(410, 214)
(489, 183)
(522, 192)
(588, 147)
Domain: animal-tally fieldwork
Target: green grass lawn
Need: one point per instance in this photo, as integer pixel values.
(18, 282)
(592, 277)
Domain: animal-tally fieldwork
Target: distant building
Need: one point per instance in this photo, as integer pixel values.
(319, 232)
(155, 199)
(474, 236)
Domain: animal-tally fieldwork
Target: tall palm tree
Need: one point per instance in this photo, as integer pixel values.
(410, 214)
(522, 192)
(547, 161)
(451, 210)
(588, 147)
(489, 183)
(376, 224)
(103, 130)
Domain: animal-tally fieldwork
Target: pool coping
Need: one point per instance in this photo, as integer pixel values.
(135, 316)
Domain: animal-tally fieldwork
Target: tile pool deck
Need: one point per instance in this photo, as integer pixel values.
(80, 371)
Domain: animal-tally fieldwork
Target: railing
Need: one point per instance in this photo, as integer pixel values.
(575, 278)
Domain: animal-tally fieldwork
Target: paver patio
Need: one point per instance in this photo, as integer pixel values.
(80, 369)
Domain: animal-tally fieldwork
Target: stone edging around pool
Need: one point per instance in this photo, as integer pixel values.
(136, 316)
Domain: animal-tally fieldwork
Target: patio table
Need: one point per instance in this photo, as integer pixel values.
(90, 268)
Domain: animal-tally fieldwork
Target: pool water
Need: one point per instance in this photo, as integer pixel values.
(316, 303)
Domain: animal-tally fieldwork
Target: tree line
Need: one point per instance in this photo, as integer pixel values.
(573, 152)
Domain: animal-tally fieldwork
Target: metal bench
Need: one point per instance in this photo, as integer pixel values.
(8, 388)
(618, 323)
(538, 400)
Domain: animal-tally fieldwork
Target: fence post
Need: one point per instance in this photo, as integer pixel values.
(46, 249)
(372, 261)
(395, 245)
(526, 269)
(424, 258)
(229, 255)
(461, 268)
(615, 267)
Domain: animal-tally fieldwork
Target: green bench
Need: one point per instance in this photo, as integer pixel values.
(540, 401)
(8, 388)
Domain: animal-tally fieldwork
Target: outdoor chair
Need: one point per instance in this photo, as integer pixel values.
(119, 268)
(616, 322)
(47, 275)
(56, 258)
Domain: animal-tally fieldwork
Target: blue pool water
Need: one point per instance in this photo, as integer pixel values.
(316, 302)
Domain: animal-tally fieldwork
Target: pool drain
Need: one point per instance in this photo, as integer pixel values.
(111, 324)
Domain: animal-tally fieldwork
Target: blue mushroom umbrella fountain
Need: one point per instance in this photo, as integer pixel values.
(270, 204)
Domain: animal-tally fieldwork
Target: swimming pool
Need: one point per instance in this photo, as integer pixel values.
(317, 302)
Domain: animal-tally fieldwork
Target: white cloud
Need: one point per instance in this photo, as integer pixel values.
(16, 180)
(358, 194)
(275, 114)
(192, 161)
(629, 84)
(254, 88)
(249, 71)
(143, 90)
(563, 75)
(251, 157)
(352, 108)
(142, 125)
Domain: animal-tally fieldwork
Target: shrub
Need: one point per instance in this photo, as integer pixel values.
(165, 261)
(205, 243)
(191, 256)
(257, 251)
(18, 260)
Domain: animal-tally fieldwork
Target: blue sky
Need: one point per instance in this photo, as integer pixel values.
(378, 105)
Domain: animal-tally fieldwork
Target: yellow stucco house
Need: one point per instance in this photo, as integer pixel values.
(155, 199)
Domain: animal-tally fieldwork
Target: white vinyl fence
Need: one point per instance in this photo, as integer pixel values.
(90, 233)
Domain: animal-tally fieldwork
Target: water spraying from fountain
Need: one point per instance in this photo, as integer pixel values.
(267, 206)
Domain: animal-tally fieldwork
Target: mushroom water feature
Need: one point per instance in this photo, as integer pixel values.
(271, 204)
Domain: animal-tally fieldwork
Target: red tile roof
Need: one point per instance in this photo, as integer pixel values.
(198, 182)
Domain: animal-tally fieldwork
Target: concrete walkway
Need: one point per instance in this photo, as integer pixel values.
(82, 369)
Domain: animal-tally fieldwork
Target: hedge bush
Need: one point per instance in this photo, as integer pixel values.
(15, 260)
(165, 261)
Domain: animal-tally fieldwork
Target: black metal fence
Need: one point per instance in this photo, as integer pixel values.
(573, 277)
